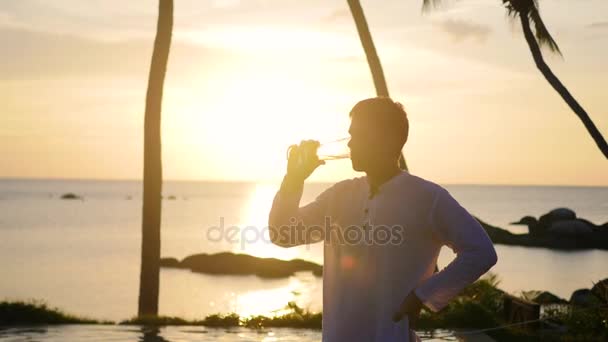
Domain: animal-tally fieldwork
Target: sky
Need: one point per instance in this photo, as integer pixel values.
(248, 78)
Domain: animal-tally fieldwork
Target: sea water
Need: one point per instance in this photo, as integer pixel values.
(83, 256)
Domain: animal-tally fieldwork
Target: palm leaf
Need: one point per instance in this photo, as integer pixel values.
(543, 36)
(529, 9)
(428, 5)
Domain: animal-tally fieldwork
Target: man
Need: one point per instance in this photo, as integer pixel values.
(382, 232)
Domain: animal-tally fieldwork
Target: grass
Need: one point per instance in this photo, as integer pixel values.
(479, 306)
(216, 320)
(296, 317)
(37, 312)
(475, 308)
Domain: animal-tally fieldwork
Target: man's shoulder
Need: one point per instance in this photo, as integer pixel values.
(423, 185)
(343, 188)
(348, 185)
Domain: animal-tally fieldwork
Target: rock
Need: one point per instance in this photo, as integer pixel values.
(242, 264)
(597, 239)
(70, 196)
(600, 290)
(170, 262)
(569, 228)
(584, 297)
(558, 214)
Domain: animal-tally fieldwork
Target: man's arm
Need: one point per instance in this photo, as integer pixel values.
(475, 253)
(291, 225)
(288, 224)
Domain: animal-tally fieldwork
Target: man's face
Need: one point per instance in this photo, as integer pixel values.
(363, 144)
(371, 148)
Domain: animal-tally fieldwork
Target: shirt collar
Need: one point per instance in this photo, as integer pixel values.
(388, 184)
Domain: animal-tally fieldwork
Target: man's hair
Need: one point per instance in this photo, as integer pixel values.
(384, 114)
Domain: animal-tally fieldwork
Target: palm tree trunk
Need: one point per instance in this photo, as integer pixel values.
(372, 56)
(368, 46)
(560, 88)
(151, 212)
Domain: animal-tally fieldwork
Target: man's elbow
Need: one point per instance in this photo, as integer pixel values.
(278, 236)
(490, 257)
(277, 241)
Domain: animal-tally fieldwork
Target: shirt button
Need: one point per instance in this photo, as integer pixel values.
(366, 210)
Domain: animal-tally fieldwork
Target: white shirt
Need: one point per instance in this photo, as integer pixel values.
(366, 277)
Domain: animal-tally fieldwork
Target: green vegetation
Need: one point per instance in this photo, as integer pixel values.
(295, 318)
(216, 320)
(37, 312)
(479, 306)
(159, 321)
(476, 307)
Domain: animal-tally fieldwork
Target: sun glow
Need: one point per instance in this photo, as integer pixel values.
(282, 40)
(300, 288)
(248, 120)
(256, 216)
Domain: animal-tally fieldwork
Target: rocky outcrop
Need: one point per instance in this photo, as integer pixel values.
(596, 240)
(600, 290)
(560, 222)
(585, 298)
(70, 196)
(242, 264)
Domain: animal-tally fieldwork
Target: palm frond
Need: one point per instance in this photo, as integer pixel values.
(428, 5)
(529, 9)
(519, 7)
(543, 36)
(511, 11)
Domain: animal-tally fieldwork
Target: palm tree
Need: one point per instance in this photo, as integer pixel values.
(372, 56)
(150, 247)
(528, 12)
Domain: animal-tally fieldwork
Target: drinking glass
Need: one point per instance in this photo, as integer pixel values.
(328, 150)
(334, 149)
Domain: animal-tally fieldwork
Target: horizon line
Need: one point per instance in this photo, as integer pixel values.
(277, 180)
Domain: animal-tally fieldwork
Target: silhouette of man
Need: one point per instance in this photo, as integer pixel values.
(382, 232)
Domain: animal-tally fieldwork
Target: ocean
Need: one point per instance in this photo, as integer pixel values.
(83, 256)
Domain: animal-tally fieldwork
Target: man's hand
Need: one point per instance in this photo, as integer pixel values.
(410, 307)
(302, 160)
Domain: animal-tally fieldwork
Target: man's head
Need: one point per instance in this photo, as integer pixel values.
(379, 128)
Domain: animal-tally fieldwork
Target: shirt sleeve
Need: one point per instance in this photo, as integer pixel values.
(292, 225)
(475, 253)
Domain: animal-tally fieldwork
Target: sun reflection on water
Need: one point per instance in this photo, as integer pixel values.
(301, 287)
(256, 216)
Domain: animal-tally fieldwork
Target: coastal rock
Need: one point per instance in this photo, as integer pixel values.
(242, 264)
(566, 239)
(585, 298)
(600, 289)
(70, 196)
(559, 222)
(169, 262)
(569, 228)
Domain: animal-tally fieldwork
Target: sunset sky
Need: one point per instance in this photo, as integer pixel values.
(248, 78)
